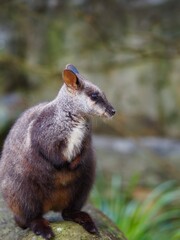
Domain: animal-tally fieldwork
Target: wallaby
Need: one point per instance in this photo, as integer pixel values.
(47, 162)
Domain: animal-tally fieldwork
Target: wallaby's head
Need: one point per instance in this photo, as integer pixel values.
(83, 96)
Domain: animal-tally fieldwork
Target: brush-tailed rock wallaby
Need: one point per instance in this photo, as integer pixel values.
(47, 162)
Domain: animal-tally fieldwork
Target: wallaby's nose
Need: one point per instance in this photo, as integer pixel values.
(113, 111)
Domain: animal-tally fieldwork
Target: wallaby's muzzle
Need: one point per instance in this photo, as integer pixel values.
(110, 111)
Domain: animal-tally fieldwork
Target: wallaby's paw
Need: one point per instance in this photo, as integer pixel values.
(41, 227)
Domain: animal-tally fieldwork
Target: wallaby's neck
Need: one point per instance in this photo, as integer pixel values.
(67, 109)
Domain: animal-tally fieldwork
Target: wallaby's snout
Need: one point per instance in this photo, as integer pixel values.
(110, 111)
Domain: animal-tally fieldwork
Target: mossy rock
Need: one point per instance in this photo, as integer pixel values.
(63, 230)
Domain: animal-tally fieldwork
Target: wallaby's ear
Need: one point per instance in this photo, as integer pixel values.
(70, 79)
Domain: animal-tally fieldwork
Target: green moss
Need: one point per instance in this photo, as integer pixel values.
(65, 230)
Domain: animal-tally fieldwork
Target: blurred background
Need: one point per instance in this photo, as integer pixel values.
(131, 50)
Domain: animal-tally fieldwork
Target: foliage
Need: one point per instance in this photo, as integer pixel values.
(156, 217)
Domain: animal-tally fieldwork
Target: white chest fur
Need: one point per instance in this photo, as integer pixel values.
(75, 139)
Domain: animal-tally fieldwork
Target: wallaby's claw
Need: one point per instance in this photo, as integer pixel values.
(41, 227)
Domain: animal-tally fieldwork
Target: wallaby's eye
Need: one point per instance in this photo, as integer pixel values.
(94, 96)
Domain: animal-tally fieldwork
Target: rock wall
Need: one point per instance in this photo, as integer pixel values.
(129, 48)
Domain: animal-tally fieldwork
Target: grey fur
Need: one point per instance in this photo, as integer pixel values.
(43, 146)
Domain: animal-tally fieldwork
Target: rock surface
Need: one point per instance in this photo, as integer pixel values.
(62, 229)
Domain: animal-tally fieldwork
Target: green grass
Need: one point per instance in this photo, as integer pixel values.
(156, 217)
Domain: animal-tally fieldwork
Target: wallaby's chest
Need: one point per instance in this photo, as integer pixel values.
(75, 141)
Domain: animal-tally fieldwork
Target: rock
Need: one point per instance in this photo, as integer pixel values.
(63, 230)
